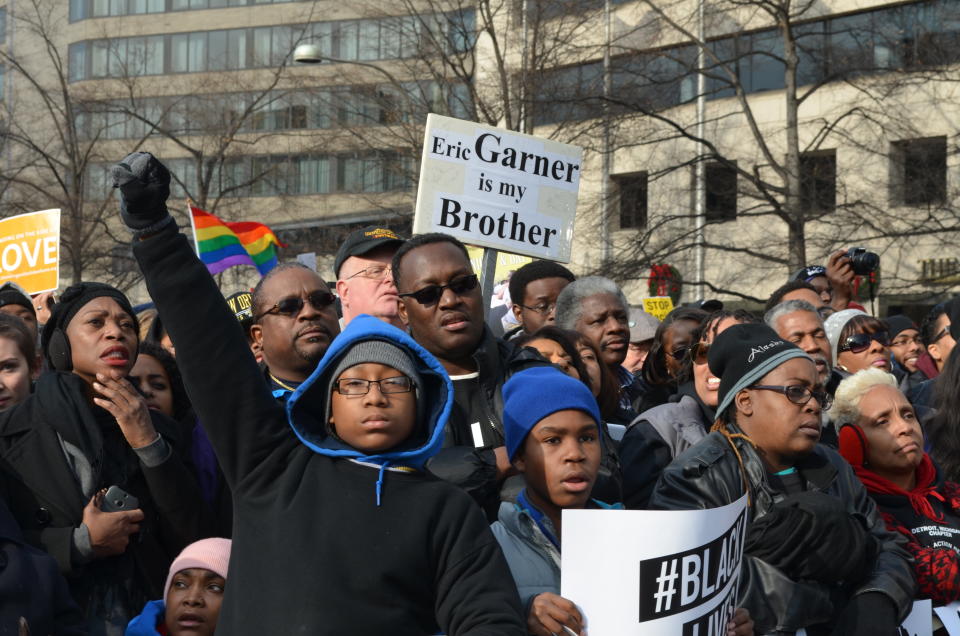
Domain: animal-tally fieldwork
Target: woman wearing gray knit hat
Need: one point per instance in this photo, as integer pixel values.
(817, 555)
(858, 340)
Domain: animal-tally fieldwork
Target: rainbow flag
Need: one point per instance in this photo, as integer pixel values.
(221, 245)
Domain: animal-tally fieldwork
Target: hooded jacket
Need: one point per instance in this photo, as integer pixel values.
(313, 552)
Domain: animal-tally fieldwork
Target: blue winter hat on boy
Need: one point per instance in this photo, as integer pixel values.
(533, 394)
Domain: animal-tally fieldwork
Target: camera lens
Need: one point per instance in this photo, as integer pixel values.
(862, 261)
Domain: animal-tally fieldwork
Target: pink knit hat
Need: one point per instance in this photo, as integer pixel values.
(209, 554)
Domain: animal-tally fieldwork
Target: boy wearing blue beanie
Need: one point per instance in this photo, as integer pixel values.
(552, 430)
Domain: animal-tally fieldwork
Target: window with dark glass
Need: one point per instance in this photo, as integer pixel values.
(721, 190)
(632, 200)
(818, 181)
(919, 171)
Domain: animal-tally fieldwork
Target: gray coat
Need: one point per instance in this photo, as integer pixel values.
(533, 559)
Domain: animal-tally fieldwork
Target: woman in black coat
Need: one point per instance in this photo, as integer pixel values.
(83, 430)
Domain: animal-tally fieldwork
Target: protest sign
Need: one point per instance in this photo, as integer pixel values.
(30, 250)
(498, 189)
(506, 263)
(652, 572)
(949, 615)
(658, 306)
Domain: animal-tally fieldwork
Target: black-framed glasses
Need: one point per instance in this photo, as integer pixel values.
(860, 342)
(432, 293)
(374, 272)
(799, 394)
(292, 305)
(940, 335)
(355, 387)
(543, 309)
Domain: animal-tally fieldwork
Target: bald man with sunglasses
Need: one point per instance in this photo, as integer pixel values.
(441, 306)
(294, 321)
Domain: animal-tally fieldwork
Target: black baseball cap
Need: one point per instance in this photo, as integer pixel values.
(363, 241)
(241, 304)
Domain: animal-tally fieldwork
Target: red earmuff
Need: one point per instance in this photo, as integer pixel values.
(853, 444)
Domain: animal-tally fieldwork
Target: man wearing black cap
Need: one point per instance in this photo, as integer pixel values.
(364, 278)
(15, 301)
(907, 347)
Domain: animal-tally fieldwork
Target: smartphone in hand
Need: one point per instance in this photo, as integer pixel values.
(117, 499)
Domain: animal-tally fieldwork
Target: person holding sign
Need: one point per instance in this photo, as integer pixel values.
(817, 554)
(882, 439)
(552, 427)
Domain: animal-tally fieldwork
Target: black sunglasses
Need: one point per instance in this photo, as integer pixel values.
(292, 305)
(432, 293)
(799, 394)
(860, 342)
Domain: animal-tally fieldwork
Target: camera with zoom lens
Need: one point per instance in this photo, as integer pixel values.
(862, 261)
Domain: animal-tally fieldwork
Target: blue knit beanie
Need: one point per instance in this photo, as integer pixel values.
(533, 394)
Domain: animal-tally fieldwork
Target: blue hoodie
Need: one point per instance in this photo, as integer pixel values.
(306, 407)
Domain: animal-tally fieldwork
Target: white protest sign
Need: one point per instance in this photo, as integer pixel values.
(949, 615)
(498, 189)
(652, 572)
(919, 621)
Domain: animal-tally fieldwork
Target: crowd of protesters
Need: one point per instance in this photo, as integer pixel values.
(377, 461)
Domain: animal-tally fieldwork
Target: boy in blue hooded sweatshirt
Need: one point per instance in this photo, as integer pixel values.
(337, 529)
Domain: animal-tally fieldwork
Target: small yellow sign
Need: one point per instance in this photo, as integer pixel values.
(30, 250)
(658, 306)
(506, 262)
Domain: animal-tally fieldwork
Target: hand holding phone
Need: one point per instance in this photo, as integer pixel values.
(110, 531)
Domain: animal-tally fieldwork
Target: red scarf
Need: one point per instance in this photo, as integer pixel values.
(926, 487)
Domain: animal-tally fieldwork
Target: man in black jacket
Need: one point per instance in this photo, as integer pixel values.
(330, 536)
(440, 302)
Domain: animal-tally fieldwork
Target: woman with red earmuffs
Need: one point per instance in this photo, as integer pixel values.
(882, 439)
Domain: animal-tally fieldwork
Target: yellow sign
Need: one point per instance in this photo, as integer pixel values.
(658, 306)
(30, 250)
(506, 262)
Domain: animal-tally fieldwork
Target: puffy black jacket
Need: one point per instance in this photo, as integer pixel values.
(708, 476)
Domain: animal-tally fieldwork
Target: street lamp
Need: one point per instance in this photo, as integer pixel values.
(307, 54)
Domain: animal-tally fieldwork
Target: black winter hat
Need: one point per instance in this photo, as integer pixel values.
(72, 300)
(898, 323)
(742, 354)
(13, 294)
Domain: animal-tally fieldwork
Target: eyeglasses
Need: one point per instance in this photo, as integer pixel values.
(292, 305)
(799, 394)
(354, 387)
(860, 342)
(940, 335)
(374, 272)
(902, 342)
(432, 293)
(679, 353)
(542, 309)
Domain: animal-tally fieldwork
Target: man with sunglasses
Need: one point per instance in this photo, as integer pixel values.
(441, 305)
(364, 278)
(294, 321)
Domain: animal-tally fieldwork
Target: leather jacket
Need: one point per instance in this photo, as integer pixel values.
(708, 475)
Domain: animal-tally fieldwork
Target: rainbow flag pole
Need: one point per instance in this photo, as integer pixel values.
(221, 245)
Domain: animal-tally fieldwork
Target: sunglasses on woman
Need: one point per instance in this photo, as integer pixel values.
(799, 394)
(432, 293)
(860, 342)
(292, 305)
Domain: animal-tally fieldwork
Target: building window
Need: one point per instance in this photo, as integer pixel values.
(632, 196)
(919, 171)
(721, 189)
(818, 181)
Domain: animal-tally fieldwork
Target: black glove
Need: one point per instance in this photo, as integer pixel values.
(868, 614)
(144, 185)
(811, 536)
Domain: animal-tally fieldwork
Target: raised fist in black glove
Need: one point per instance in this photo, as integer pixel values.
(144, 185)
